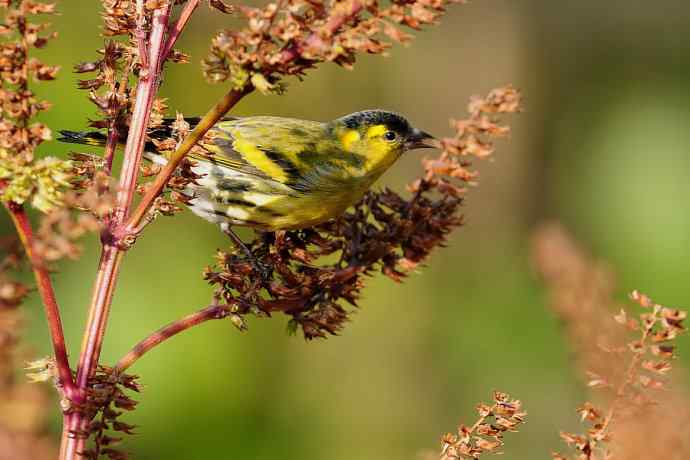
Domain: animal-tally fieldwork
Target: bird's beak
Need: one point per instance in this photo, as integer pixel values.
(420, 140)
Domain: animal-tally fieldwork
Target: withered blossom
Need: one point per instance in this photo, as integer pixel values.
(629, 372)
(486, 434)
(18, 104)
(108, 400)
(291, 36)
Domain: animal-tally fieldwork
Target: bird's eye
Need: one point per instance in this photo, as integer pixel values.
(390, 136)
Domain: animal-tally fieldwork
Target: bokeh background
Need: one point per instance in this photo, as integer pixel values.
(603, 146)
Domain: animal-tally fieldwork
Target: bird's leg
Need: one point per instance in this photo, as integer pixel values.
(263, 269)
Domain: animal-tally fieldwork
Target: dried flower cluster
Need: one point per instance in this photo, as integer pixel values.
(636, 370)
(108, 400)
(19, 137)
(291, 36)
(486, 434)
(23, 179)
(109, 89)
(384, 232)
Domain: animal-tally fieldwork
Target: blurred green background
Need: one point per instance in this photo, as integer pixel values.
(602, 146)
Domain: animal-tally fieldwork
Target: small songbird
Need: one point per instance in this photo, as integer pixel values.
(274, 173)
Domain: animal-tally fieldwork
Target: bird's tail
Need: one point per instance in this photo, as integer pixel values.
(93, 138)
(98, 139)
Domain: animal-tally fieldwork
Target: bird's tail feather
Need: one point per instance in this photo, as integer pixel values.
(94, 138)
(97, 139)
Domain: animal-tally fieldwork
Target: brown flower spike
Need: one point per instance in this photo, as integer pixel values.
(486, 434)
(628, 373)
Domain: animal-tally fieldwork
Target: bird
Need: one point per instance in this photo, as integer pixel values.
(273, 173)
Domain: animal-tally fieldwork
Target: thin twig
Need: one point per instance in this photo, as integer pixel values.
(175, 31)
(206, 123)
(168, 331)
(45, 289)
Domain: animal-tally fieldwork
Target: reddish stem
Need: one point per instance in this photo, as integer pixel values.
(45, 289)
(136, 136)
(73, 440)
(168, 331)
(175, 31)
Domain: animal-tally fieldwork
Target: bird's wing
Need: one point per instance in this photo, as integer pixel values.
(270, 148)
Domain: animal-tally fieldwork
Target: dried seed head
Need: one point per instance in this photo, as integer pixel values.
(292, 36)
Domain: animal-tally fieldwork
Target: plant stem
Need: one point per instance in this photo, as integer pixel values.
(211, 118)
(175, 31)
(168, 331)
(73, 439)
(45, 289)
(136, 136)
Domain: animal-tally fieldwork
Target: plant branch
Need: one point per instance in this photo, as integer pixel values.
(209, 313)
(136, 136)
(45, 289)
(175, 31)
(211, 118)
(111, 255)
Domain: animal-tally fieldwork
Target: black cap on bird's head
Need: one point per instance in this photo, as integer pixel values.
(397, 127)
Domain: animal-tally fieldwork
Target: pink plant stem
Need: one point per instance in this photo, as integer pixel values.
(175, 31)
(209, 313)
(73, 439)
(146, 90)
(45, 289)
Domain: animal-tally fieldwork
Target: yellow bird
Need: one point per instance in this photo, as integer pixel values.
(274, 173)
